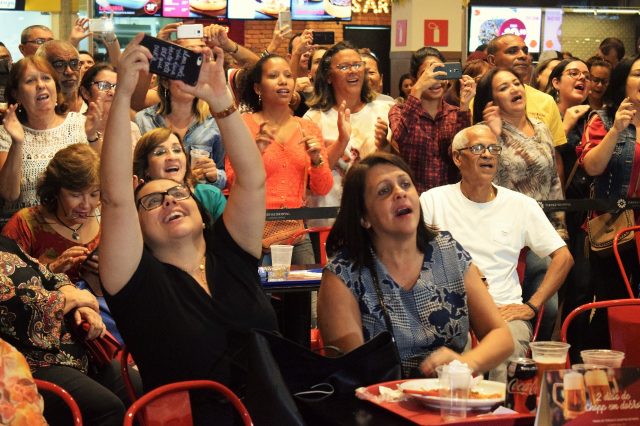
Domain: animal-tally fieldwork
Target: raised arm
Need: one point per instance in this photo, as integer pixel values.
(216, 35)
(11, 161)
(121, 242)
(245, 211)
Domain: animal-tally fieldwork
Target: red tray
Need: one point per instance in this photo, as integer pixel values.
(417, 413)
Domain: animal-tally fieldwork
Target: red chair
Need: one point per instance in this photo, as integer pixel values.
(169, 404)
(323, 232)
(125, 361)
(624, 326)
(616, 253)
(43, 385)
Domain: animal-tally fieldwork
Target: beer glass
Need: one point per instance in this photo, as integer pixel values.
(549, 356)
(603, 357)
(575, 399)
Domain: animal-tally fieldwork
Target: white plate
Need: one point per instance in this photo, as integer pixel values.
(485, 386)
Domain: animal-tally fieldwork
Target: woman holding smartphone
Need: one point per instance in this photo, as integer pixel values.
(177, 287)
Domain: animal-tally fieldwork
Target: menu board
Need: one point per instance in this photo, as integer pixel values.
(552, 29)
(194, 8)
(321, 10)
(128, 7)
(257, 9)
(487, 23)
(604, 396)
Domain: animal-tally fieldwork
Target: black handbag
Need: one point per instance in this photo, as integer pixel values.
(310, 377)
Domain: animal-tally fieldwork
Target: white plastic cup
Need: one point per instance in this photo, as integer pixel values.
(196, 154)
(280, 261)
(605, 357)
(455, 382)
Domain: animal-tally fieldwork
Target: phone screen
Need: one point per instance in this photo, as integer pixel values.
(284, 19)
(172, 61)
(323, 37)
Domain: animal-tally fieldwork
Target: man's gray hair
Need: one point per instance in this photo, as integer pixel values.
(460, 140)
(24, 36)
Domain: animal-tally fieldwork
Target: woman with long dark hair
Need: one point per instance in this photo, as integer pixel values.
(385, 262)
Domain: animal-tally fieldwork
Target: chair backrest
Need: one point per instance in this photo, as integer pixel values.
(125, 360)
(624, 326)
(616, 253)
(169, 404)
(323, 233)
(44, 385)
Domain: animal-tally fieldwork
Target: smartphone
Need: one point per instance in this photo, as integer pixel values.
(453, 70)
(91, 255)
(190, 31)
(172, 61)
(284, 19)
(101, 25)
(323, 37)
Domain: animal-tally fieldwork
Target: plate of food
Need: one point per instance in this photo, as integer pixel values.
(483, 395)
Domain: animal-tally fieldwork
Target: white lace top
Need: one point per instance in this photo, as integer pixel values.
(39, 148)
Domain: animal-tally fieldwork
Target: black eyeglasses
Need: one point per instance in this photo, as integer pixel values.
(105, 86)
(155, 199)
(479, 149)
(38, 41)
(61, 65)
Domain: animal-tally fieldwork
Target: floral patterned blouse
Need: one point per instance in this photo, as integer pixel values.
(32, 311)
(431, 315)
(20, 403)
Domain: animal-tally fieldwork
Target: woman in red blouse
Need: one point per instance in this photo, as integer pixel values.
(292, 149)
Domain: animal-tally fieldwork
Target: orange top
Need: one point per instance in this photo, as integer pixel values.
(287, 166)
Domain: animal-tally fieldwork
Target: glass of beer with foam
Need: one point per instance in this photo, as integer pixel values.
(549, 356)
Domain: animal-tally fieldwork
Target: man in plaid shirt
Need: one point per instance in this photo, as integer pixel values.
(424, 125)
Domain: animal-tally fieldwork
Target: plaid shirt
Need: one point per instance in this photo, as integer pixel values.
(425, 142)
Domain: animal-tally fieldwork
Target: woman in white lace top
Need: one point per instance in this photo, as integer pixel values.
(35, 127)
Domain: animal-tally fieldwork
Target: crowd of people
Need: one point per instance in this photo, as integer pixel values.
(137, 204)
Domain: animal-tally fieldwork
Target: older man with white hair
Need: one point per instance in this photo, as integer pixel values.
(494, 224)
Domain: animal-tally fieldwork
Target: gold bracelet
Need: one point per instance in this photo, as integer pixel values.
(224, 113)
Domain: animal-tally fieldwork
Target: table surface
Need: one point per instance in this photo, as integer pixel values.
(295, 284)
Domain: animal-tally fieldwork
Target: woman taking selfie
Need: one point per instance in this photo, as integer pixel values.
(36, 123)
(389, 272)
(176, 286)
(292, 150)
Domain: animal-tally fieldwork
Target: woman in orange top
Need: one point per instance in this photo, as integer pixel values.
(292, 149)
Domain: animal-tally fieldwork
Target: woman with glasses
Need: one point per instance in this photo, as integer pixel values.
(98, 86)
(340, 85)
(600, 74)
(176, 286)
(159, 154)
(35, 128)
(188, 117)
(527, 163)
(292, 150)
(611, 154)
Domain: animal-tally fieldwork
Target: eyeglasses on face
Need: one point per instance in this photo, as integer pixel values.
(575, 74)
(38, 41)
(598, 80)
(155, 199)
(105, 86)
(480, 148)
(352, 66)
(61, 65)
